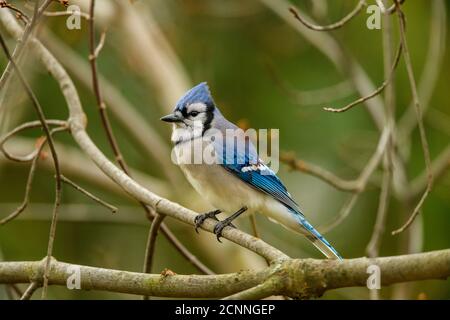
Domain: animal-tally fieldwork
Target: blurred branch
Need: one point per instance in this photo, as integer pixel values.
(19, 13)
(300, 165)
(30, 290)
(151, 244)
(88, 194)
(35, 157)
(37, 13)
(358, 185)
(362, 180)
(377, 91)
(431, 70)
(294, 278)
(310, 97)
(339, 24)
(438, 168)
(423, 138)
(151, 53)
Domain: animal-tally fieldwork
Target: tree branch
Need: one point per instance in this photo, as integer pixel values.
(295, 278)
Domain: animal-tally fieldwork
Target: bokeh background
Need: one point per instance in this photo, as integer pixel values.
(263, 73)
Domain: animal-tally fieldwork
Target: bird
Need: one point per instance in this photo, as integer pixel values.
(235, 180)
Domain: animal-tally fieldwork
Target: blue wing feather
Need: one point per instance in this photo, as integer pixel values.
(250, 169)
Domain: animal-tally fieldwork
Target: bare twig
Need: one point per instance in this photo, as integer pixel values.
(431, 70)
(12, 290)
(309, 97)
(332, 26)
(385, 10)
(343, 214)
(30, 290)
(255, 232)
(377, 91)
(318, 172)
(423, 138)
(20, 128)
(151, 244)
(373, 247)
(362, 181)
(88, 194)
(30, 178)
(20, 14)
(439, 165)
(93, 55)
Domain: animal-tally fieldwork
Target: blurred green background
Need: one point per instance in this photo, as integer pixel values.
(242, 49)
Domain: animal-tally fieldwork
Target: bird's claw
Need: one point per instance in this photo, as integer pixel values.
(218, 228)
(202, 217)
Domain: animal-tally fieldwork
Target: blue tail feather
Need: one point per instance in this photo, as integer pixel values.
(317, 239)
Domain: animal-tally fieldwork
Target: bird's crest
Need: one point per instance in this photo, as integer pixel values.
(198, 94)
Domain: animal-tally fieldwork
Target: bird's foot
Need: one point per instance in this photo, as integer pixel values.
(218, 228)
(202, 217)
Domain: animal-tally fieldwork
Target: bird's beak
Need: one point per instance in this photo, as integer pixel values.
(171, 118)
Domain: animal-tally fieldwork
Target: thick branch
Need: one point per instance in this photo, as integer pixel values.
(295, 278)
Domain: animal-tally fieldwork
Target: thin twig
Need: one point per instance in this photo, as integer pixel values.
(30, 290)
(254, 226)
(20, 14)
(343, 214)
(432, 69)
(88, 194)
(28, 185)
(423, 138)
(385, 10)
(318, 96)
(377, 91)
(151, 245)
(27, 125)
(318, 172)
(373, 247)
(333, 26)
(362, 181)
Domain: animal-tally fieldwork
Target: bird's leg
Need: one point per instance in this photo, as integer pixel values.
(227, 222)
(202, 217)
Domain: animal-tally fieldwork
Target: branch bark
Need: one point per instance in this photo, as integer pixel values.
(295, 278)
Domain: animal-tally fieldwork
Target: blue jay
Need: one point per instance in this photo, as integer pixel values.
(243, 184)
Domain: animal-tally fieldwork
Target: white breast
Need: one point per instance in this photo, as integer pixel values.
(228, 193)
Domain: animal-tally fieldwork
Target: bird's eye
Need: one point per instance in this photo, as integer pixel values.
(194, 113)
